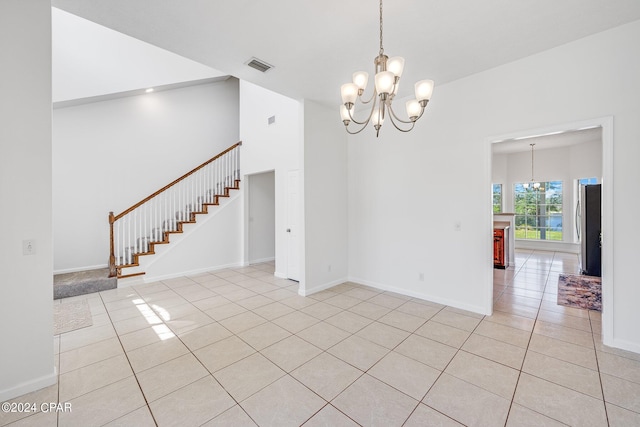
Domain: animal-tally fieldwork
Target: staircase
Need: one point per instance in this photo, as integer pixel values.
(136, 231)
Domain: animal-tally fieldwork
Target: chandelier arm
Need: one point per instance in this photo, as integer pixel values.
(373, 95)
(391, 116)
(366, 122)
(358, 131)
(403, 121)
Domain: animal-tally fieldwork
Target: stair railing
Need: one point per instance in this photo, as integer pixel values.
(135, 230)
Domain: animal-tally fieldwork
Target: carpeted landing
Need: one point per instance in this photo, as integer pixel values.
(82, 282)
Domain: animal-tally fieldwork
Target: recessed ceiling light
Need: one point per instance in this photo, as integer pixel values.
(149, 90)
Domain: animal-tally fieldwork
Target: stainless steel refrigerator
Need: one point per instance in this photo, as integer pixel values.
(590, 229)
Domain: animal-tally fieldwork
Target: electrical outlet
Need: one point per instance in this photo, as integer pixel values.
(457, 226)
(28, 247)
(329, 268)
(421, 277)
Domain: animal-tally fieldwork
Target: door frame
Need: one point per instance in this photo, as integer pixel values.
(606, 123)
(294, 273)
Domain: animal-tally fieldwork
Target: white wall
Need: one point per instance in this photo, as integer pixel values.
(261, 206)
(26, 293)
(108, 155)
(212, 243)
(91, 60)
(325, 189)
(406, 191)
(499, 169)
(566, 164)
(275, 147)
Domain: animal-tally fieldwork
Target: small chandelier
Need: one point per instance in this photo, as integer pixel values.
(533, 184)
(387, 77)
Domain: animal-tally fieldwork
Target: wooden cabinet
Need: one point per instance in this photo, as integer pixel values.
(500, 246)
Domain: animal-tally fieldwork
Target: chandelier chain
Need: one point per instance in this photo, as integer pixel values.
(532, 161)
(381, 48)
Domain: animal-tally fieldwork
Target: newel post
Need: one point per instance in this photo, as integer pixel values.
(112, 256)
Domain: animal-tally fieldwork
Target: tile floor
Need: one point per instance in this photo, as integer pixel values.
(239, 347)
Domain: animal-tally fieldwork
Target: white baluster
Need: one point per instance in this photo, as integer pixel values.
(146, 221)
(128, 234)
(136, 228)
(116, 242)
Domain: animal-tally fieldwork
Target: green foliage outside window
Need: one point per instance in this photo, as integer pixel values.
(497, 198)
(538, 212)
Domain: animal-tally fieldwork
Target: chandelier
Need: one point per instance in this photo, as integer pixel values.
(533, 184)
(387, 78)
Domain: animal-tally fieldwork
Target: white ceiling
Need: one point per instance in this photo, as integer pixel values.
(549, 141)
(316, 45)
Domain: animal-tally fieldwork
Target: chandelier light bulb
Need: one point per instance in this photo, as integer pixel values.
(344, 114)
(384, 82)
(424, 90)
(536, 185)
(413, 109)
(377, 118)
(396, 66)
(525, 185)
(360, 79)
(349, 93)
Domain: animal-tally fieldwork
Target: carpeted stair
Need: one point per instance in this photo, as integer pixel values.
(82, 282)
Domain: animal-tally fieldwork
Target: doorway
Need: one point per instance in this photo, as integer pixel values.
(605, 126)
(261, 246)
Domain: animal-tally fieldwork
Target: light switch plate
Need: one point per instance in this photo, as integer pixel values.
(28, 247)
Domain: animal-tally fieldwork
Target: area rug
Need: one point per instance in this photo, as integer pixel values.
(580, 291)
(70, 316)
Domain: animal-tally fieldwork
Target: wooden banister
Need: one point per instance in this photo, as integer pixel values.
(146, 199)
(113, 271)
(113, 266)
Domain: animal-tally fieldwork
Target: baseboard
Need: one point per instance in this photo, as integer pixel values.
(280, 275)
(28, 386)
(76, 269)
(623, 345)
(191, 272)
(420, 295)
(261, 260)
(547, 245)
(318, 288)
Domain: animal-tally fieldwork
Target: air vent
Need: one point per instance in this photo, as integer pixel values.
(259, 65)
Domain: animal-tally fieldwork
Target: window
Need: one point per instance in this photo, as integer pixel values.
(538, 212)
(497, 198)
(587, 181)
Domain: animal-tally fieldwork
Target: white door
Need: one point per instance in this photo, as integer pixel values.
(293, 226)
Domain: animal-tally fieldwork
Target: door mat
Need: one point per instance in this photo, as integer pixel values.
(580, 291)
(70, 316)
